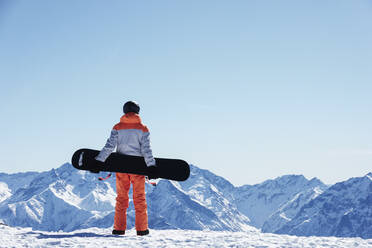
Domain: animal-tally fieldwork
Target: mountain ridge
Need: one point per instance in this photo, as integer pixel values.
(50, 200)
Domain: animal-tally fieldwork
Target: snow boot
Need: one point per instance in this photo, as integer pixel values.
(118, 232)
(143, 233)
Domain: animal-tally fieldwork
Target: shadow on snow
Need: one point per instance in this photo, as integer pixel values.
(72, 235)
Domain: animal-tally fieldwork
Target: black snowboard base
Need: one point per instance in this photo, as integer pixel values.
(172, 169)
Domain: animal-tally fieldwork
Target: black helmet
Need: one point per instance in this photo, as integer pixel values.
(131, 106)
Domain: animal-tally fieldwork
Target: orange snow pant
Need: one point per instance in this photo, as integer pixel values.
(123, 181)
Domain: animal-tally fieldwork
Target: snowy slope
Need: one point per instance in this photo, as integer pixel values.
(344, 210)
(216, 194)
(10, 183)
(290, 209)
(95, 237)
(180, 211)
(5, 192)
(259, 202)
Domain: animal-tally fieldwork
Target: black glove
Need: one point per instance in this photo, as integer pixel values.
(99, 163)
(153, 172)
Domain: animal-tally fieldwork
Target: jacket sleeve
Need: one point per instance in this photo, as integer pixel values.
(146, 149)
(109, 147)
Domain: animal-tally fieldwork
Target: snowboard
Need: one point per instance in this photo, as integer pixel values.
(172, 169)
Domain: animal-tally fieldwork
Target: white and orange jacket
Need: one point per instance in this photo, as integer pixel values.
(130, 137)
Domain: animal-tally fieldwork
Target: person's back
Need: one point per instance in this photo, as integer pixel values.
(130, 137)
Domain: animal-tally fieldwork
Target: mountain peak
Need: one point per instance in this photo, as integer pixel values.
(316, 181)
(291, 177)
(284, 181)
(369, 175)
(346, 203)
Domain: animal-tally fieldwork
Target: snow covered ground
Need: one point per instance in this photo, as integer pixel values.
(96, 237)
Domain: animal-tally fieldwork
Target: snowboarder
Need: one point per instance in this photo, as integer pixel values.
(130, 137)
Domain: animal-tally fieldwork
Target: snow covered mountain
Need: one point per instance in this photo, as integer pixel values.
(216, 194)
(13, 182)
(273, 202)
(343, 210)
(289, 210)
(67, 199)
(57, 200)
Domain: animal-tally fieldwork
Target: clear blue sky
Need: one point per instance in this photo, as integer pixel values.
(250, 90)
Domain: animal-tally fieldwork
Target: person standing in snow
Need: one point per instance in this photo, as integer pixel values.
(130, 137)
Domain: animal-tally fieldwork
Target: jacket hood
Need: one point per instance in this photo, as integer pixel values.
(130, 118)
